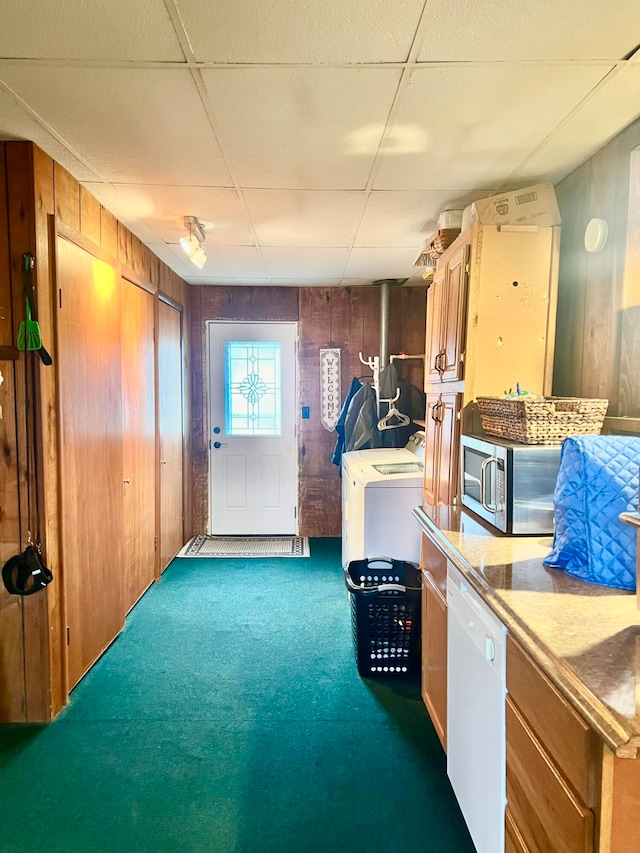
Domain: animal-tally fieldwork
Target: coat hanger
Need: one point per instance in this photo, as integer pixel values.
(400, 419)
(394, 418)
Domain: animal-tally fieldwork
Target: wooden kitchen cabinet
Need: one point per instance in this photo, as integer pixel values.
(552, 764)
(434, 655)
(572, 729)
(434, 636)
(445, 319)
(490, 324)
(442, 431)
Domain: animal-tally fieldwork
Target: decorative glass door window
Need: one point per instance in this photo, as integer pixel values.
(253, 388)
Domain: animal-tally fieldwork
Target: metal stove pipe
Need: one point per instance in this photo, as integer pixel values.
(384, 323)
(385, 284)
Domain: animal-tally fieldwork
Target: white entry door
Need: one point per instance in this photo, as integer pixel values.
(253, 456)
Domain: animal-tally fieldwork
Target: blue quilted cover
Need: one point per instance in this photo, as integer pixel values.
(597, 480)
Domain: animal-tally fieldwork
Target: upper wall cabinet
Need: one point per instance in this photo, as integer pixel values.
(445, 318)
(490, 324)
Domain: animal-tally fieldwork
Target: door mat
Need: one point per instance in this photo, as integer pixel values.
(251, 546)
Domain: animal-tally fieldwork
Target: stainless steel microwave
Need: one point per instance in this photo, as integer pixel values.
(510, 485)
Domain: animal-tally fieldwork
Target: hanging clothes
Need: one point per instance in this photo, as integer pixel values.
(361, 424)
(336, 458)
(357, 424)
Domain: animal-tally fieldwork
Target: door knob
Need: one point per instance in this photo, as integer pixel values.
(219, 444)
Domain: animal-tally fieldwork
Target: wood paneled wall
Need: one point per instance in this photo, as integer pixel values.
(598, 322)
(35, 192)
(348, 318)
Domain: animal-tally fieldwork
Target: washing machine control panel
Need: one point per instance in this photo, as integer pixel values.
(416, 443)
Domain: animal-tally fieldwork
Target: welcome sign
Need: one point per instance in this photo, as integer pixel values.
(330, 387)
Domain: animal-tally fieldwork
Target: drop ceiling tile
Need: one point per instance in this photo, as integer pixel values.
(301, 128)
(407, 218)
(163, 209)
(304, 218)
(317, 31)
(130, 125)
(610, 108)
(241, 263)
(546, 29)
(237, 262)
(478, 123)
(309, 263)
(17, 123)
(382, 263)
(76, 29)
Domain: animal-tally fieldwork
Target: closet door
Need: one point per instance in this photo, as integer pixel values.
(90, 452)
(170, 430)
(139, 435)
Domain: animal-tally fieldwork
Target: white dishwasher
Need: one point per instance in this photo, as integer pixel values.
(476, 690)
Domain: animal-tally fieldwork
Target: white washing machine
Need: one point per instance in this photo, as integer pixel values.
(380, 488)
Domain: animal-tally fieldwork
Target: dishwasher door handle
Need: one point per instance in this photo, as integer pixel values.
(489, 648)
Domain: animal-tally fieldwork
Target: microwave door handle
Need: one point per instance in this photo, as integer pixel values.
(483, 468)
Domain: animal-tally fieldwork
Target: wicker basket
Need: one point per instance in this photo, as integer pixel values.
(547, 421)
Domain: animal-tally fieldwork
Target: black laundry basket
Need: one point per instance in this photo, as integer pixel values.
(385, 597)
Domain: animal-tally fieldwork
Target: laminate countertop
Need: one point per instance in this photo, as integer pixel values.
(586, 638)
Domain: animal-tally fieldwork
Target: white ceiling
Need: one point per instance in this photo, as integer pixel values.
(322, 137)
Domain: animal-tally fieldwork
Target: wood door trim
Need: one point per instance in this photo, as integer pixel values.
(137, 279)
(68, 233)
(169, 301)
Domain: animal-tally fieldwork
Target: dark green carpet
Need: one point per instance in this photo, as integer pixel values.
(229, 716)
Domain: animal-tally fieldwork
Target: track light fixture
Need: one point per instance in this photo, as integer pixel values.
(192, 243)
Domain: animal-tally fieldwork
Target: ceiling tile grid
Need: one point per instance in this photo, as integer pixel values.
(320, 140)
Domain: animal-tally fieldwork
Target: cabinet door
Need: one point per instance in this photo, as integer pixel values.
(139, 441)
(544, 807)
(513, 841)
(170, 432)
(434, 656)
(450, 362)
(431, 451)
(449, 428)
(435, 312)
